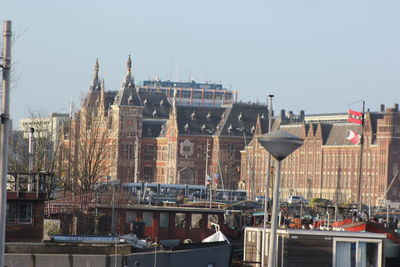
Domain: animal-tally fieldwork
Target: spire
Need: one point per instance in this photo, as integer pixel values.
(129, 63)
(258, 130)
(96, 82)
(129, 79)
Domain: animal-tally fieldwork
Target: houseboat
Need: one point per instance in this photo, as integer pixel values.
(309, 248)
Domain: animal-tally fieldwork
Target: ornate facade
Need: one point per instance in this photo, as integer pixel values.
(152, 139)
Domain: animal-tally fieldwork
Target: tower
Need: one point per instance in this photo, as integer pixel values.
(127, 116)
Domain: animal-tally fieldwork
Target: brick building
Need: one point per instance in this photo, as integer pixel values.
(153, 138)
(327, 165)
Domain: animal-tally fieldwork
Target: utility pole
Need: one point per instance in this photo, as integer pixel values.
(5, 120)
(206, 175)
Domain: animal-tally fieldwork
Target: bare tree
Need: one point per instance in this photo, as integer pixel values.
(89, 152)
(46, 149)
(230, 168)
(18, 153)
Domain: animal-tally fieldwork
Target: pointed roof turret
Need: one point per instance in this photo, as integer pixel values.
(96, 85)
(129, 78)
(128, 95)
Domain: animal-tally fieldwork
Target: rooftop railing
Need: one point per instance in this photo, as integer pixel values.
(28, 182)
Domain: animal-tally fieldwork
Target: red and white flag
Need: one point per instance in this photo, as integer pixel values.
(353, 137)
(355, 117)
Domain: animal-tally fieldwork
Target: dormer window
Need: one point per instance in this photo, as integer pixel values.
(130, 100)
(154, 113)
(145, 102)
(186, 127)
(240, 116)
(203, 127)
(229, 128)
(208, 116)
(193, 115)
(262, 116)
(252, 129)
(161, 102)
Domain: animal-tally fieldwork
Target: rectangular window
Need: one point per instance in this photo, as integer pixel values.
(164, 219)
(24, 212)
(357, 253)
(196, 220)
(149, 153)
(148, 173)
(148, 219)
(11, 213)
(130, 216)
(212, 218)
(180, 220)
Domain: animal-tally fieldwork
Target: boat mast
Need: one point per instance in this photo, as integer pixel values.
(360, 166)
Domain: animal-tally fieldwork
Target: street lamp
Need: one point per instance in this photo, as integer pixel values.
(279, 144)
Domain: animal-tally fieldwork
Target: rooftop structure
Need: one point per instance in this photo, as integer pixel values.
(192, 93)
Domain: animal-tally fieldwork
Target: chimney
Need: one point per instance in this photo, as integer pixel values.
(302, 115)
(396, 107)
(382, 108)
(290, 116)
(283, 114)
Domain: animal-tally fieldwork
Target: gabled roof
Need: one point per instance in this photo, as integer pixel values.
(339, 132)
(332, 134)
(156, 105)
(295, 129)
(128, 96)
(198, 120)
(242, 119)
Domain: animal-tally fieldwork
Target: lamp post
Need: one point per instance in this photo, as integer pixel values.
(279, 144)
(267, 176)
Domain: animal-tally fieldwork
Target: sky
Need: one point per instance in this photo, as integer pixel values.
(314, 55)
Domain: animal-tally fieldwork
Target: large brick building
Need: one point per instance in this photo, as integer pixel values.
(155, 138)
(327, 165)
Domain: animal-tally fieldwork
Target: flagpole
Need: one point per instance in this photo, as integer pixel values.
(361, 159)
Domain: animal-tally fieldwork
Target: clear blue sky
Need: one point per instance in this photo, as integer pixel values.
(314, 55)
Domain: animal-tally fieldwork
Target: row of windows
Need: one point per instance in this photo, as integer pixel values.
(180, 219)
